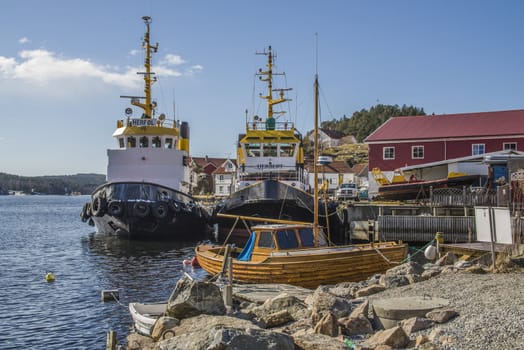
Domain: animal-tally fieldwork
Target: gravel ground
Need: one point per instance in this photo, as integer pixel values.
(490, 307)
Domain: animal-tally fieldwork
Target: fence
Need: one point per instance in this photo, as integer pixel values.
(423, 228)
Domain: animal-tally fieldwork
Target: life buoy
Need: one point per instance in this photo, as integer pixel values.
(98, 206)
(160, 210)
(141, 209)
(115, 208)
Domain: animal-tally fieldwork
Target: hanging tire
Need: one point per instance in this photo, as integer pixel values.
(115, 208)
(141, 209)
(174, 205)
(98, 206)
(160, 210)
(86, 212)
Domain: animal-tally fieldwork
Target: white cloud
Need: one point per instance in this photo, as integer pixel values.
(24, 40)
(195, 69)
(174, 60)
(134, 52)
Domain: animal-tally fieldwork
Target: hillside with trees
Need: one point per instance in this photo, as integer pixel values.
(361, 124)
(60, 184)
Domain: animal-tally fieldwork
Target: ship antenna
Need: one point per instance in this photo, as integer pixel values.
(315, 148)
(148, 106)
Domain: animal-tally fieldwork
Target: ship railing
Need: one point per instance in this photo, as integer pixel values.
(253, 126)
(165, 123)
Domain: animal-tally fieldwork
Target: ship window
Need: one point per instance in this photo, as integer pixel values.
(168, 143)
(266, 239)
(286, 150)
(287, 239)
(131, 142)
(306, 236)
(156, 143)
(253, 149)
(270, 150)
(121, 142)
(144, 142)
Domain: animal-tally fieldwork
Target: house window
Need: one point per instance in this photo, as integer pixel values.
(220, 189)
(389, 152)
(221, 178)
(417, 152)
(478, 148)
(510, 146)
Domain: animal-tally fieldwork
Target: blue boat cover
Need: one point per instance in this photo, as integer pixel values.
(245, 255)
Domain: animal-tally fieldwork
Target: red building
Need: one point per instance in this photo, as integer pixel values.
(405, 141)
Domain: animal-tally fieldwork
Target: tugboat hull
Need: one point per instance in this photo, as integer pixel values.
(146, 211)
(273, 200)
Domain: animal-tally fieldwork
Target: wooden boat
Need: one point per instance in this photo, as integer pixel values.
(145, 315)
(296, 253)
(288, 254)
(402, 188)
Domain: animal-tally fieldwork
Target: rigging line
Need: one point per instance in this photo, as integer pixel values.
(326, 102)
(283, 202)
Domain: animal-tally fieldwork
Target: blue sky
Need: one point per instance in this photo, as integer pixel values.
(64, 64)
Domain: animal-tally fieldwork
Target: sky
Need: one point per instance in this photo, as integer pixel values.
(64, 65)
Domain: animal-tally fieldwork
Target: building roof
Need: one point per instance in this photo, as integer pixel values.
(335, 167)
(333, 133)
(481, 124)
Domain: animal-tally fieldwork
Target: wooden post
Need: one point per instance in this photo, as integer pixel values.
(228, 295)
(111, 340)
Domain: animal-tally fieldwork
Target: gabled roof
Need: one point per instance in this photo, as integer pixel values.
(335, 167)
(333, 134)
(482, 124)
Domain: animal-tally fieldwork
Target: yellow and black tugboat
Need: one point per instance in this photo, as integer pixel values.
(271, 180)
(145, 196)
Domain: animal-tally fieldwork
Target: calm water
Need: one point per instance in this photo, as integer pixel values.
(44, 233)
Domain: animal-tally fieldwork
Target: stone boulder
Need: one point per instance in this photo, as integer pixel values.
(355, 325)
(316, 341)
(224, 338)
(293, 305)
(401, 275)
(191, 298)
(394, 337)
(361, 309)
(275, 319)
(327, 325)
(369, 290)
(324, 302)
(415, 324)
(441, 316)
(163, 327)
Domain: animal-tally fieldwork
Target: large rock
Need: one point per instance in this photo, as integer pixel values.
(225, 338)
(394, 337)
(163, 327)
(323, 302)
(369, 290)
(276, 319)
(415, 324)
(401, 275)
(294, 306)
(355, 325)
(191, 298)
(327, 325)
(315, 341)
(441, 316)
(362, 309)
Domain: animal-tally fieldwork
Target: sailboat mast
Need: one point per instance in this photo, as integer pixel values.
(315, 170)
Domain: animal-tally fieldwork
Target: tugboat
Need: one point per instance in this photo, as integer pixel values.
(271, 180)
(144, 196)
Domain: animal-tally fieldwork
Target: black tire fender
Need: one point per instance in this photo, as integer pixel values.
(160, 209)
(141, 209)
(115, 208)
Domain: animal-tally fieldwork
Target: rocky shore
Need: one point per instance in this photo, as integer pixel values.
(485, 311)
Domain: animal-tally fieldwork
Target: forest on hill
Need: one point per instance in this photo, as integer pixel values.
(362, 123)
(56, 184)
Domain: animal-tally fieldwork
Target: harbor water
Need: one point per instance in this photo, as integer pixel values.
(40, 234)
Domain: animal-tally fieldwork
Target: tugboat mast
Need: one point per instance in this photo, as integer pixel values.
(148, 106)
(269, 79)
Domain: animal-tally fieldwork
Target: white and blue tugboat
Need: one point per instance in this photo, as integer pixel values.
(145, 196)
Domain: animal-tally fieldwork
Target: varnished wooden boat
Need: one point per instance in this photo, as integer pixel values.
(288, 254)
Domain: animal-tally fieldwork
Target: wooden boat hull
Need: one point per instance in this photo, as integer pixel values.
(309, 268)
(420, 189)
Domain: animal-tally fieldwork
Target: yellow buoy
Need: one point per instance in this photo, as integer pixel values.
(49, 277)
